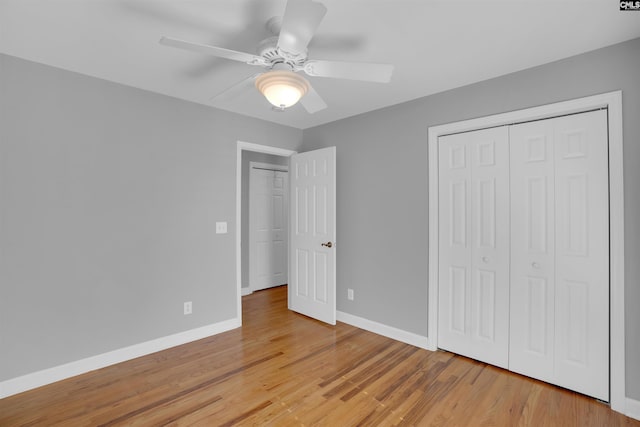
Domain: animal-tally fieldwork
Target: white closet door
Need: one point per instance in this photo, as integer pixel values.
(280, 227)
(474, 245)
(454, 168)
(268, 228)
(582, 254)
(560, 252)
(533, 250)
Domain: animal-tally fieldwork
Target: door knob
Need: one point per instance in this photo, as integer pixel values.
(535, 265)
(485, 259)
(328, 244)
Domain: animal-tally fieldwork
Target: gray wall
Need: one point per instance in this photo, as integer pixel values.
(250, 156)
(108, 201)
(383, 191)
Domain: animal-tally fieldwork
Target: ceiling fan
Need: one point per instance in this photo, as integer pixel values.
(284, 55)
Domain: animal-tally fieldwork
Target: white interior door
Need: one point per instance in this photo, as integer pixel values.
(312, 251)
(560, 252)
(268, 211)
(474, 245)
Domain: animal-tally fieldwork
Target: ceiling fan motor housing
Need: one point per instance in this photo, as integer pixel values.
(268, 49)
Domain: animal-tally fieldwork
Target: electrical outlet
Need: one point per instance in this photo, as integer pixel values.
(188, 307)
(221, 227)
(350, 294)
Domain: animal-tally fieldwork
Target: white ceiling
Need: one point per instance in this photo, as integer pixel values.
(434, 45)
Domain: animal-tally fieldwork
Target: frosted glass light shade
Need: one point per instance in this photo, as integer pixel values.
(282, 88)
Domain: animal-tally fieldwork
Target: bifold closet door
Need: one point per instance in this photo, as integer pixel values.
(559, 323)
(473, 306)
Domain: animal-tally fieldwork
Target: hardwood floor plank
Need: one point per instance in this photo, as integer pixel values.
(368, 377)
(284, 369)
(173, 412)
(243, 416)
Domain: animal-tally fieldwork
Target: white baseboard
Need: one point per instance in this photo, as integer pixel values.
(57, 373)
(246, 291)
(632, 408)
(384, 330)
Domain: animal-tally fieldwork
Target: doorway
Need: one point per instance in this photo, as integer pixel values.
(245, 153)
(312, 236)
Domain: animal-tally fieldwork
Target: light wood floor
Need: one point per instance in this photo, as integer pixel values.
(284, 369)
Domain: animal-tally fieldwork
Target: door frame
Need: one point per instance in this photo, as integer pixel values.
(613, 102)
(253, 165)
(258, 148)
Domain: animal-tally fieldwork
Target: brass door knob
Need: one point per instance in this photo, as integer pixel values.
(328, 244)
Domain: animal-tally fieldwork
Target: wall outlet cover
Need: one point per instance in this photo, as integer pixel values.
(221, 227)
(188, 307)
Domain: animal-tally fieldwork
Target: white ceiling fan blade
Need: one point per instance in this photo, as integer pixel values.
(299, 23)
(312, 102)
(213, 50)
(236, 91)
(350, 70)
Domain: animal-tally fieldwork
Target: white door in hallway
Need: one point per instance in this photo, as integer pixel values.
(474, 245)
(268, 228)
(560, 252)
(312, 252)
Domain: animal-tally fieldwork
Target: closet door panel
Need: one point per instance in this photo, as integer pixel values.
(490, 245)
(454, 246)
(532, 339)
(582, 253)
(473, 293)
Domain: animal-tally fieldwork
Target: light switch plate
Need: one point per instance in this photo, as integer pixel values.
(221, 227)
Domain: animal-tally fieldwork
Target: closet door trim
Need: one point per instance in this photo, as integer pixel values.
(612, 101)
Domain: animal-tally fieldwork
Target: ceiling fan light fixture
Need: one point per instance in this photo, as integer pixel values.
(282, 88)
